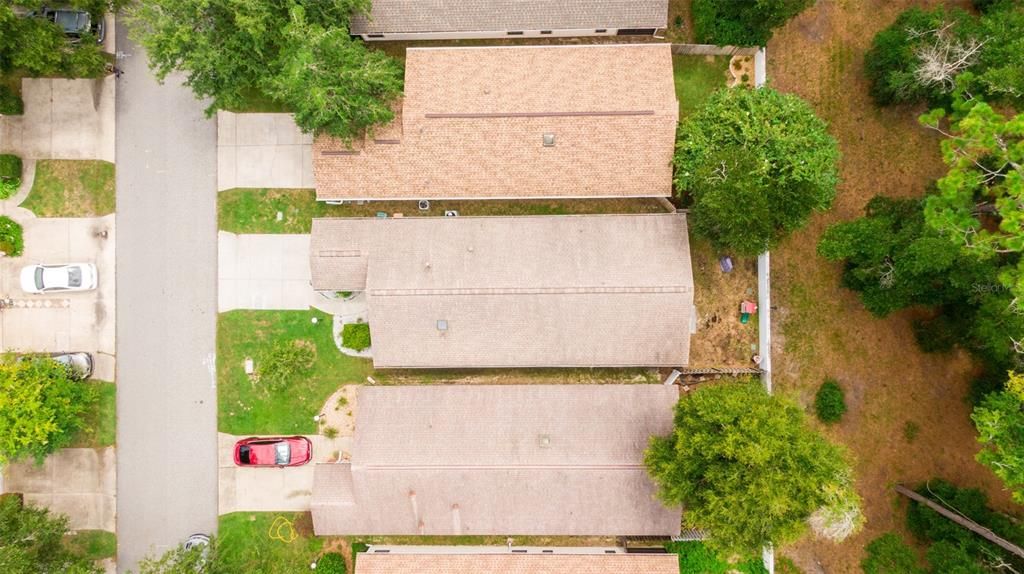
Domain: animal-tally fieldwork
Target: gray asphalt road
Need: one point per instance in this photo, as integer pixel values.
(166, 313)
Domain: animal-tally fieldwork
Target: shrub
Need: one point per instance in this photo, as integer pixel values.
(355, 336)
(747, 23)
(949, 558)
(11, 242)
(697, 558)
(988, 6)
(331, 563)
(286, 361)
(830, 402)
(911, 430)
(10, 175)
(331, 432)
(10, 102)
(888, 554)
(938, 335)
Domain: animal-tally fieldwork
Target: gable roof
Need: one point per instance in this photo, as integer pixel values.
(534, 291)
(413, 16)
(473, 120)
(512, 459)
(369, 563)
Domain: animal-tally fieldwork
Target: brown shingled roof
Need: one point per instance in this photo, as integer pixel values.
(517, 564)
(473, 122)
(413, 16)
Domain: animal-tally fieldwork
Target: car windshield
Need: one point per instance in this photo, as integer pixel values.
(243, 454)
(39, 278)
(72, 21)
(74, 276)
(282, 453)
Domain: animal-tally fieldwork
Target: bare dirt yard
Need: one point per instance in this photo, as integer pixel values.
(907, 420)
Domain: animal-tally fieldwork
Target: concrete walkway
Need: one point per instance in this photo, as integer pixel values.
(64, 119)
(78, 482)
(263, 272)
(262, 150)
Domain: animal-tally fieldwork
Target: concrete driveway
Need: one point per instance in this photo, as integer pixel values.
(78, 482)
(271, 489)
(67, 321)
(263, 272)
(262, 150)
(64, 119)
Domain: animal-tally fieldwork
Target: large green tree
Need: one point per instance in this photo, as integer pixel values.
(1000, 423)
(747, 467)
(197, 560)
(41, 407)
(754, 165)
(297, 51)
(32, 541)
(742, 23)
(38, 47)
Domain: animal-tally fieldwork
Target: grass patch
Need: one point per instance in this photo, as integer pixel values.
(255, 210)
(696, 78)
(93, 544)
(248, 408)
(267, 542)
(100, 429)
(256, 102)
(696, 558)
(11, 103)
(72, 188)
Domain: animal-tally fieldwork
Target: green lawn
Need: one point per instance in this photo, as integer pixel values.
(267, 542)
(93, 544)
(255, 210)
(244, 407)
(100, 420)
(258, 102)
(696, 78)
(72, 188)
(696, 558)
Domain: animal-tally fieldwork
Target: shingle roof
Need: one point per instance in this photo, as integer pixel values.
(408, 16)
(473, 121)
(528, 460)
(517, 564)
(544, 291)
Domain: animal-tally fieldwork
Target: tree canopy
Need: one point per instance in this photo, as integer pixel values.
(198, 560)
(754, 165)
(1000, 423)
(747, 23)
(41, 407)
(32, 541)
(296, 51)
(38, 46)
(747, 468)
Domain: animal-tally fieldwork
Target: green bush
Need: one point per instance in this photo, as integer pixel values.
(355, 336)
(742, 23)
(331, 563)
(830, 402)
(937, 335)
(888, 554)
(697, 558)
(947, 558)
(10, 175)
(988, 6)
(11, 242)
(10, 102)
(285, 362)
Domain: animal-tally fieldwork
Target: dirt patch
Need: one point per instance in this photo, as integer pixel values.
(339, 411)
(721, 339)
(741, 71)
(822, 330)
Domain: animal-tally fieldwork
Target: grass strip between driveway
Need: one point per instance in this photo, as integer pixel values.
(100, 419)
(72, 188)
(93, 544)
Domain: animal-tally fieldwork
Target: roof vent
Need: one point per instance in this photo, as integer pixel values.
(549, 140)
(544, 441)
(442, 324)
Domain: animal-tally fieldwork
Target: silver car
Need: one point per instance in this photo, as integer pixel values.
(67, 277)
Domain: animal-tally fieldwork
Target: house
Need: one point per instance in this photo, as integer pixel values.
(454, 19)
(499, 460)
(516, 560)
(513, 123)
(528, 291)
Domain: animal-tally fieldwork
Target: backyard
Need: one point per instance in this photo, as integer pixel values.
(822, 330)
(72, 188)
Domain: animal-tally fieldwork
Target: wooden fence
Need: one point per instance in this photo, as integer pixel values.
(712, 50)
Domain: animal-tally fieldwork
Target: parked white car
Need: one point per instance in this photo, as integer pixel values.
(69, 277)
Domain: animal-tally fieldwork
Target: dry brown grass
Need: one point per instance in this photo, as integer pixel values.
(822, 330)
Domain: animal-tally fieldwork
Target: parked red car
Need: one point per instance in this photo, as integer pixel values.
(273, 451)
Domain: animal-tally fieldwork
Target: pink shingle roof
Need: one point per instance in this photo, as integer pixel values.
(473, 122)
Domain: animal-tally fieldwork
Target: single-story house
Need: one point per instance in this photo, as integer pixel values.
(515, 560)
(513, 123)
(525, 291)
(454, 19)
(499, 460)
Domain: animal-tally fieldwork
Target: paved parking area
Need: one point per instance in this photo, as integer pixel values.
(263, 272)
(262, 150)
(64, 119)
(58, 322)
(78, 482)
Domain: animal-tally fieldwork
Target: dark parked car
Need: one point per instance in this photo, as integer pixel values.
(273, 451)
(78, 364)
(75, 23)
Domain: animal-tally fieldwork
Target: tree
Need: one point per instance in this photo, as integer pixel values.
(179, 560)
(40, 48)
(747, 468)
(41, 407)
(889, 554)
(754, 164)
(297, 51)
(32, 541)
(747, 23)
(1000, 423)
